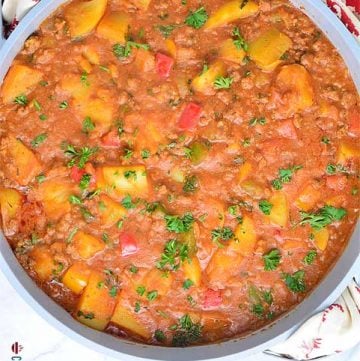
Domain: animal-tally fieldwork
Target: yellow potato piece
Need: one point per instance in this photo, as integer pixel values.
(110, 211)
(295, 83)
(308, 198)
(83, 16)
(124, 180)
(127, 320)
(245, 237)
(20, 80)
(143, 4)
(229, 51)
(91, 54)
(171, 47)
(244, 171)
(10, 205)
(267, 49)
(321, 238)
(114, 27)
(87, 245)
(279, 213)
(347, 151)
(231, 11)
(204, 82)
(192, 270)
(95, 306)
(158, 280)
(54, 194)
(43, 262)
(76, 277)
(24, 164)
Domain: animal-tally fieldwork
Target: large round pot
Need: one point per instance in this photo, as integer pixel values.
(328, 289)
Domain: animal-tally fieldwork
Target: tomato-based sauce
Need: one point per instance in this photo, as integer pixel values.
(178, 172)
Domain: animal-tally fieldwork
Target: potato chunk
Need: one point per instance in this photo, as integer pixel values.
(83, 16)
(114, 27)
(231, 11)
(54, 194)
(245, 237)
(87, 245)
(10, 204)
(229, 51)
(244, 171)
(19, 80)
(95, 306)
(293, 90)
(267, 49)
(43, 262)
(321, 238)
(308, 198)
(123, 180)
(76, 277)
(192, 270)
(204, 82)
(127, 320)
(279, 213)
(158, 280)
(110, 211)
(347, 151)
(23, 165)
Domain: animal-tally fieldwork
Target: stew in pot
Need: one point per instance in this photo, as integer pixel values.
(178, 172)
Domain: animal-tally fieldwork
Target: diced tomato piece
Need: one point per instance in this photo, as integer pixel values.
(190, 116)
(111, 139)
(212, 298)
(128, 244)
(164, 65)
(354, 122)
(336, 182)
(76, 173)
(287, 129)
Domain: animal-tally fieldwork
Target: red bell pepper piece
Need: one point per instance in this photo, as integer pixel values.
(190, 116)
(163, 65)
(128, 244)
(76, 173)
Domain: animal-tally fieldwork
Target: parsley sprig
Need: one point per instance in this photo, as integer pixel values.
(221, 234)
(187, 332)
(174, 254)
(238, 40)
(179, 224)
(323, 217)
(223, 82)
(271, 259)
(285, 176)
(79, 156)
(296, 281)
(196, 19)
(124, 51)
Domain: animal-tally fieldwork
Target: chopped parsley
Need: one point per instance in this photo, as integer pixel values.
(145, 154)
(174, 254)
(196, 19)
(130, 174)
(179, 224)
(84, 79)
(21, 100)
(258, 310)
(36, 105)
(152, 295)
(265, 206)
(43, 117)
(223, 82)
(221, 234)
(74, 199)
(325, 140)
(87, 125)
(323, 217)
(159, 336)
(133, 269)
(238, 40)
(128, 203)
(271, 259)
(310, 257)
(39, 139)
(40, 178)
(187, 332)
(166, 30)
(85, 181)
(255, 120)
(140, 290)
(336, 168)
(63, 105)
(137, 307)
(187, 284)
(191, 184)
(128, 153)
(79, 156)
(121, 51)
(295, 282)
(285, 176)
(87, 315)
